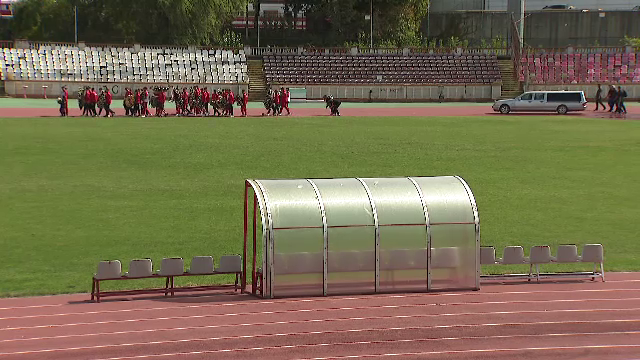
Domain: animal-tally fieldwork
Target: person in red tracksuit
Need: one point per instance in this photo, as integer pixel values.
(230, 99)
(196, 96)
(144, 98)
(284, 101)
(277, 100)
(160, 107)
(108, 98)
(185, 101)
(205, 101)
(88, 97)
(245, 101)
(94, 101)
(137, 103)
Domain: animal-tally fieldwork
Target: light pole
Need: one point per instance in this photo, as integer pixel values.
(75, 16)
(246, 22)
(428, 20)
(371, 22)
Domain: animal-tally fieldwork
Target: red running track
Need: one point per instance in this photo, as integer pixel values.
(472, 110)
(551, 320)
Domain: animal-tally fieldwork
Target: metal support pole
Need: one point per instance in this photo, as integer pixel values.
(371, 23)
(428, 20)
(521, 23)
(75, 15)
(258, 23)
(246, 23)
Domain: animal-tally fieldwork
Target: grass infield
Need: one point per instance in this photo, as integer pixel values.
(78, 190)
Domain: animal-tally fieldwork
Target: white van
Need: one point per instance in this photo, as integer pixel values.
(558, 101)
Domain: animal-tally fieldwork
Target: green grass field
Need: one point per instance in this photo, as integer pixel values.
(78, 190)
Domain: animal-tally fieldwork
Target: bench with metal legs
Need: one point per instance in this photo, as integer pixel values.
(541, 255)
(169, 270)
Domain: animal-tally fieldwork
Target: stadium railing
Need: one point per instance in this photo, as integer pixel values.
(541, 255)
(170, 268)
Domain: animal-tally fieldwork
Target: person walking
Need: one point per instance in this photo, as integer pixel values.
(620, 107)
(612, 97)
(599, 99)
(245, 101)
(108, 98)
(64, 102)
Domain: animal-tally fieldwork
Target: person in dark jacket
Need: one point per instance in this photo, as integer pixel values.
(612, 96)
(620, 107)
(332, 104)
(599, 99)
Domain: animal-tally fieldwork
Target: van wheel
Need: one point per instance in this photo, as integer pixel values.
(505, 109)
(562, 109)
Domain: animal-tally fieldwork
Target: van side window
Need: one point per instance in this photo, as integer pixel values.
(539, 96)
(564, 97)
(526, 96)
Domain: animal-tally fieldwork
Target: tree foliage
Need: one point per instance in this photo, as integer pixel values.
(208, 22)
(185, 22)
(630, 41)
(395, 22)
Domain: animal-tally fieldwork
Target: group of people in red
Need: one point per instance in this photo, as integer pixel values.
(137, 103)
(88, 100)
(276, 101)
(196, 101)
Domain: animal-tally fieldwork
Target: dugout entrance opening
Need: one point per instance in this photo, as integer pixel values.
(319, 237)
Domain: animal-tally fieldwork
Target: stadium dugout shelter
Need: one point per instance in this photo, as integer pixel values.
(320, 237)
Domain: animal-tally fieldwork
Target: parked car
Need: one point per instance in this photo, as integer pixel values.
(559, 101)
(559, 7)
(636, 8)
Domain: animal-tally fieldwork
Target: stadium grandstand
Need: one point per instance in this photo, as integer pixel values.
(413, 74)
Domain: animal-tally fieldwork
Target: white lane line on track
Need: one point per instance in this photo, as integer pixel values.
(545, 323)
(338, 298)
(472, 351)
(471, 303)
(320, 320)
(372, 342)
(315, 333)
(576, 322)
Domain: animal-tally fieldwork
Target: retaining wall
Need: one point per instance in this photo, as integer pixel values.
(15, 88)
(401, 93)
